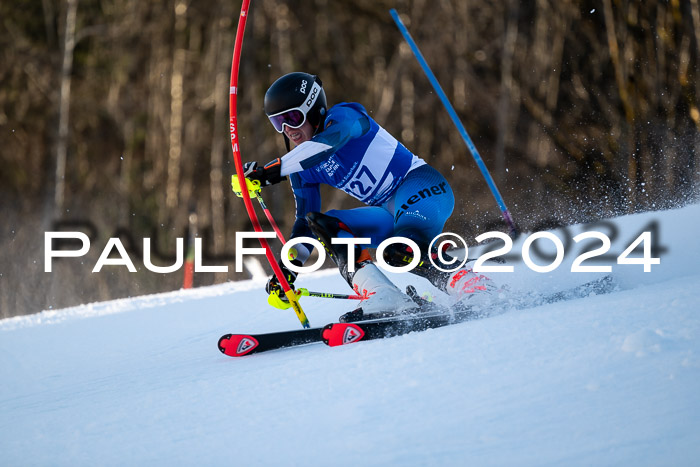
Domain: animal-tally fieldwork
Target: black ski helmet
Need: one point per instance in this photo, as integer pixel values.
(300, 91)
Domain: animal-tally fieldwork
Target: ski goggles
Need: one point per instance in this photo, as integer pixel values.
(296, 117)
(293, 118)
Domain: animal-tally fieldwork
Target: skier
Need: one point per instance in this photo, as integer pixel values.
(345, 148)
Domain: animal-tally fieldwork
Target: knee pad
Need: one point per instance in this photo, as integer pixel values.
(325, 228)
(398, 254)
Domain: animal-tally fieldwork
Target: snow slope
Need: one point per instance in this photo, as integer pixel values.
(604, 380)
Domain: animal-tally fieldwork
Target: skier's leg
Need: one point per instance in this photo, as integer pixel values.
(365, 278)
(460, 284)
(422, 205)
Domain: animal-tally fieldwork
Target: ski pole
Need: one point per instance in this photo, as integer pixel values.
(270, 219)
(457, 122)
(340, 296)
(275, 300)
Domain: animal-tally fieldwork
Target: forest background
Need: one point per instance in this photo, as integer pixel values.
(113, 118)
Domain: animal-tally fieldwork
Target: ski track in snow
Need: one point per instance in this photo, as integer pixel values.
(605, 380)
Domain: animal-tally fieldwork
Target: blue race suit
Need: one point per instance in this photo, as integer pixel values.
(404, 196)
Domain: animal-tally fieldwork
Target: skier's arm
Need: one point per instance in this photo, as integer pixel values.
(342, 125)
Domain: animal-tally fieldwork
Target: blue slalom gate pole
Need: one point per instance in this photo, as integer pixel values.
(457, 122)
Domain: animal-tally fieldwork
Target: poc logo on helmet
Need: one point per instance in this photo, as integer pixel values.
(312, 97)
(302, 89)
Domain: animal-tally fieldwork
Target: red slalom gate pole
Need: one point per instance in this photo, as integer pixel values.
(188, 280)
(233, 127)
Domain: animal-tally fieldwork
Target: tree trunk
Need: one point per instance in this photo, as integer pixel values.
(64, 105)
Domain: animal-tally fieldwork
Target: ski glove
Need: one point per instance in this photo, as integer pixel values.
(273, 284)
(268, 175)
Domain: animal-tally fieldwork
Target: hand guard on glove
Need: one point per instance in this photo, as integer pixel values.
(273, 284)
(268, 175)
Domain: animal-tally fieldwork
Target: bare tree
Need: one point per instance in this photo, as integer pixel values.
(64, 104)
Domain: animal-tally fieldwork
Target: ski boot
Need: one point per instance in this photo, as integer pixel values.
(381, 298)
(466, 288)
(471, 291)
